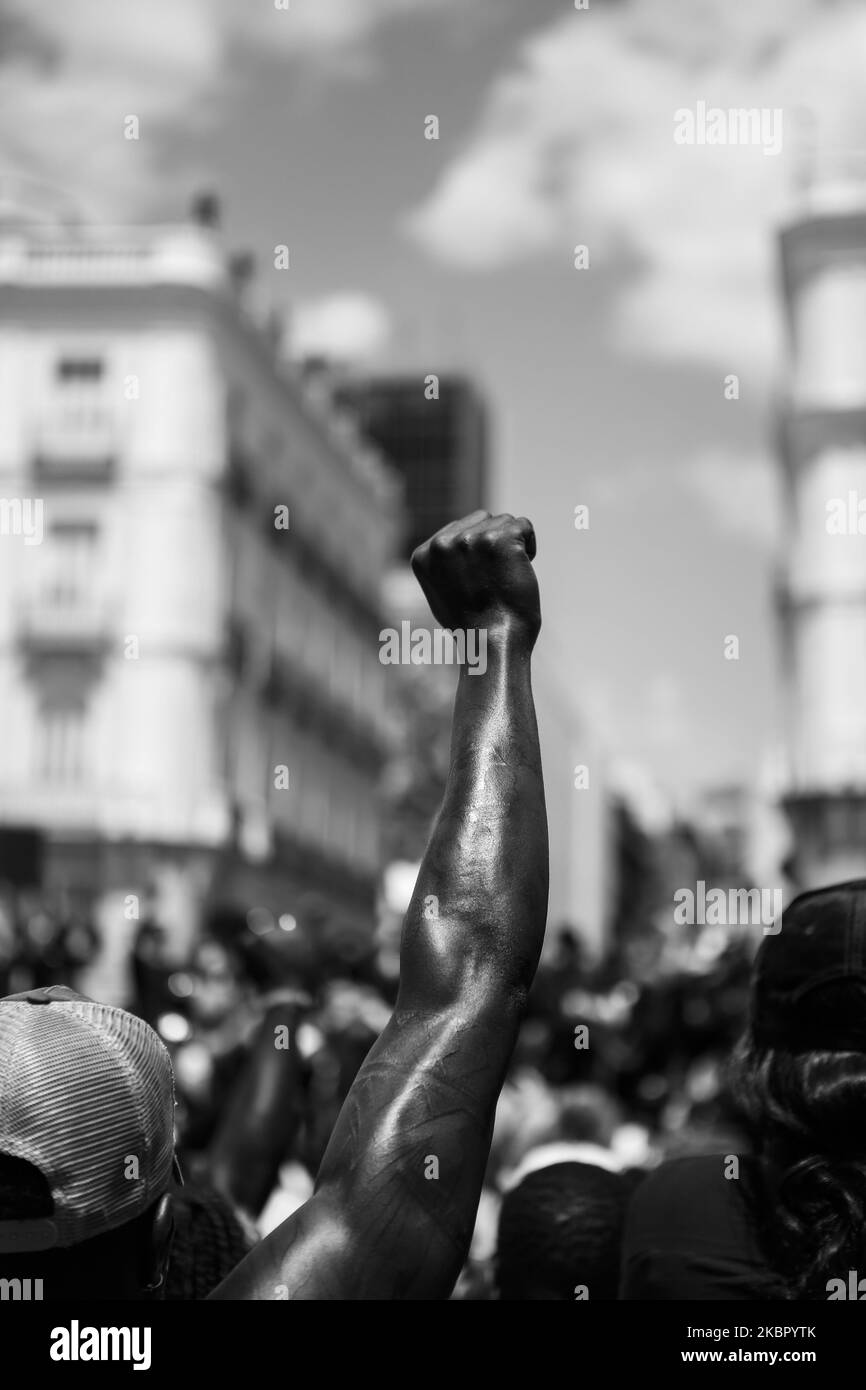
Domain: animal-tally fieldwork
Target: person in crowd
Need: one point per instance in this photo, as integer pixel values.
(150, 969)
(259, 1126)
(786, 1220)
(88, 1169)
(560, 1234)
(210, 1237)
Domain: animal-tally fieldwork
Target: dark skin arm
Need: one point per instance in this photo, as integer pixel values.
(396, 1196)
(262, 1117)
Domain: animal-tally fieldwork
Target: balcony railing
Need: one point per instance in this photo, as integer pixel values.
(58, 623)
(93, 255)
(76, 439)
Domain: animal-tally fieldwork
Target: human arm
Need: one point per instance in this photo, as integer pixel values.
(385, 1220)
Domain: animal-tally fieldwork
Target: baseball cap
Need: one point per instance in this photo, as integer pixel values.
(87, 1097)
(809, 979)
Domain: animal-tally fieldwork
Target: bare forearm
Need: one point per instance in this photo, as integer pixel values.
(397, 1192)
(477, 915)
(425, 1099)
(262, 1117)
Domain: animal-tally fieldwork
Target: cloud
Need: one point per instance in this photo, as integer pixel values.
(324, 25)
(76, 71)
(348, 327)
(575, 145)
(71, 73)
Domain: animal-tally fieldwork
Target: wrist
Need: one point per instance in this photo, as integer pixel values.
(498, 646)
(507, 633)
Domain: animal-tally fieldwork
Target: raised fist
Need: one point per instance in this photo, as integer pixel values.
(477, 573)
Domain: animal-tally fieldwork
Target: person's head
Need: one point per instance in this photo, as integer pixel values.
(560, 1233)
(216, 982)
(798, 1077)
(86, 1148)
(587, 1114)
(210, 1240)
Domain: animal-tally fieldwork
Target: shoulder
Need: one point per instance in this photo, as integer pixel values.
(697, 1177)
(694, 1194)
(690, 1231)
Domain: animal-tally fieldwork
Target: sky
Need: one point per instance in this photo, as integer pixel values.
(606, 383)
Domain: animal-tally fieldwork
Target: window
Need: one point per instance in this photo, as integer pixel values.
(80, 369)
(71, 562)
(61, 744)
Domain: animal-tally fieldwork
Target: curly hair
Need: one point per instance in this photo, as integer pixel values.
(806, 1114)
(209, 1240)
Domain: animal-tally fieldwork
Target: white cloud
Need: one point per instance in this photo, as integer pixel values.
(323, 25)
(79, 69)
(350, 327)
(575, 144)
(70, 73)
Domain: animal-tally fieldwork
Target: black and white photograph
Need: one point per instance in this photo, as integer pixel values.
(432, 672)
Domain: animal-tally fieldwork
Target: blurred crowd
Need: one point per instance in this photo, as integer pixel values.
(620, 1063)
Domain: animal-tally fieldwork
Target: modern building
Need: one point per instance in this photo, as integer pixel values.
(822, 594)
(434, 432)
(192, 697)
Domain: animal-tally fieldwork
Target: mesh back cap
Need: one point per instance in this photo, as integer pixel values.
(87, 1097)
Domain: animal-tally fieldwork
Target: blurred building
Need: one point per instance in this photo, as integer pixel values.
(634, 873)
(822, 599)
(179, 637)
(437, 443)
(581, 813)
(722, 818)
(745, 834)
(439, 447)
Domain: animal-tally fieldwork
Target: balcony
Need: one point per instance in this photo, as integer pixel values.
(64, 623)
(57, 254)
(76, 440)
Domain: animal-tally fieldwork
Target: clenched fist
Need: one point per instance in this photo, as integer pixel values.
(477, 573)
